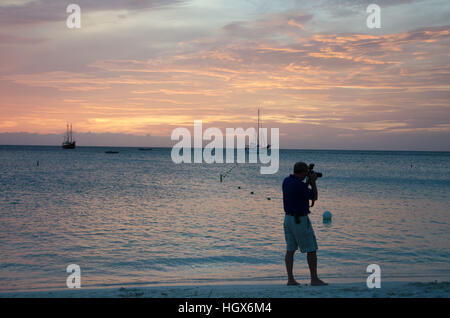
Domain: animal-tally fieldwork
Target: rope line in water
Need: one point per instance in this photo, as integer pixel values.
(223, 175)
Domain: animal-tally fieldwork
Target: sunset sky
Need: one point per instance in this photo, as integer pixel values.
(145, 67)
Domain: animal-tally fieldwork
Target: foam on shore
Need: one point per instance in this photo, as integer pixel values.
(345, 290)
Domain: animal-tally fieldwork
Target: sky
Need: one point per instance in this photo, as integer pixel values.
(136, 70)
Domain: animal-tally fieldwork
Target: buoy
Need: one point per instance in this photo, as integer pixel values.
(327, 216)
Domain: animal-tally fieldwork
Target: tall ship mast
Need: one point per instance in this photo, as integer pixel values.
(259, 145)
(68, 142)
(257, 132)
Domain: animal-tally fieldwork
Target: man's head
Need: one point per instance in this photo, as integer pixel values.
(301, 170)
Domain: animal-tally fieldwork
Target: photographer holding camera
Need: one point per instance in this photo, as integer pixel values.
(298, 230)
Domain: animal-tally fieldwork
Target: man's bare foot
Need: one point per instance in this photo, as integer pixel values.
(293, 283)
(318, 282)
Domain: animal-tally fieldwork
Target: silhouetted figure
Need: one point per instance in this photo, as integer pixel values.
(298, 231)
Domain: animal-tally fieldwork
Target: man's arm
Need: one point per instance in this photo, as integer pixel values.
(314, 188)
(312, 182)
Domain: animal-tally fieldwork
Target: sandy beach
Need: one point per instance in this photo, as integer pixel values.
(340, 290)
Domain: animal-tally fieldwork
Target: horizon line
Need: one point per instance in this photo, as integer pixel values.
(168, 147)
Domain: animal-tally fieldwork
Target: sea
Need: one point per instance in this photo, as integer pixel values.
(135, 218)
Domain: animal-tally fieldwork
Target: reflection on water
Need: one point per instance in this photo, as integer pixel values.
(137, 218)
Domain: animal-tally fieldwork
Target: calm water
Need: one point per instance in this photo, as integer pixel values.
(135, 218)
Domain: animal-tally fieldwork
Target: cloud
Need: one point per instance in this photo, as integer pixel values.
(34, 12)
(332, 83)
(8, 39)
(275, 24)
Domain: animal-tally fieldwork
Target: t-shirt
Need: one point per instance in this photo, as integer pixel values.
(296, 196)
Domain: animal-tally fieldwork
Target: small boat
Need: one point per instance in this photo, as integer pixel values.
(258, 145)
(111, 151)
(145, 149)
(68, 142)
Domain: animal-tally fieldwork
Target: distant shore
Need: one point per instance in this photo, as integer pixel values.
(339, 290)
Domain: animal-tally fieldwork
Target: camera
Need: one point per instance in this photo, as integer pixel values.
(311, 171)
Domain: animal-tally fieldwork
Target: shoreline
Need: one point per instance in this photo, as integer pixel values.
(390, 289)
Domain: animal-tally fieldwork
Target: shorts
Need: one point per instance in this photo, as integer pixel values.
(299, 235)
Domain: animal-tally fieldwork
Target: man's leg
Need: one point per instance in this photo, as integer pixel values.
(289, 260)
(312, 264)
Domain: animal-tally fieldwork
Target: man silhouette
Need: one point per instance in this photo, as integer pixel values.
(298, 231)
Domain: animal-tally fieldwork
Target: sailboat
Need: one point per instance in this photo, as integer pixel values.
(259, 145)
(68, 142)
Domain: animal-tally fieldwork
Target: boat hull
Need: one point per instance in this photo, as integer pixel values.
(69, 145)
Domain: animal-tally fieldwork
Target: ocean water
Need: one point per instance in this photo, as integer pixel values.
(136, 218)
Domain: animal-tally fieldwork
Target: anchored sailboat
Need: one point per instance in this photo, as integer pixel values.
(68, 142)
(259, 144)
